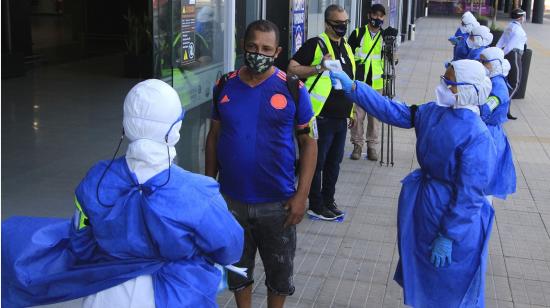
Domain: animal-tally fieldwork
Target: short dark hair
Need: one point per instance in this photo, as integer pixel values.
(377, 8)
(517, 13)
(333, 8)
(261, 25)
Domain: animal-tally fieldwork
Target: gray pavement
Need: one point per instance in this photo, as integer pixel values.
(351, 264)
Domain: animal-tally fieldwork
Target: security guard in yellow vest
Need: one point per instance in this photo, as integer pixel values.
(331, 107)
(366, 43)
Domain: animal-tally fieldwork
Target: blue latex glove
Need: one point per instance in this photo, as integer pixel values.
(347, 83)
(442, 249)
(454, 40)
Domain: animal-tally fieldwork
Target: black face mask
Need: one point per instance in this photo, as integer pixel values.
(340, 30)
(375, 22)
(258, 62)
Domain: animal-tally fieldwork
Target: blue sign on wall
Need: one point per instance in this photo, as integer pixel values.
(298, 24)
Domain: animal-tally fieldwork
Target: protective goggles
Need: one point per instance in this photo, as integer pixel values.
(490, 60)
(454, 83)
(474, 36)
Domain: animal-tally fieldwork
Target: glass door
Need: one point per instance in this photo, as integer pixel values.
(246, 11)
(190, 39)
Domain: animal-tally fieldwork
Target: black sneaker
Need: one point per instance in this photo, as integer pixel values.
(332, 207)
(322, 213)
(511, 117)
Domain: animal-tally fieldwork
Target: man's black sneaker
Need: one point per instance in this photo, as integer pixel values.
(322, 213)
(511, 117)
(332, 207)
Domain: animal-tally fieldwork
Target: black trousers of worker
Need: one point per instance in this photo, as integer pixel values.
(514, 76)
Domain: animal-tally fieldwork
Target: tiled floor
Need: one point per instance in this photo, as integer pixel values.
(348, 264)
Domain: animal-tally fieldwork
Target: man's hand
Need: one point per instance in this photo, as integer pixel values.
(296, 207)
(325, 57)
(210, 154)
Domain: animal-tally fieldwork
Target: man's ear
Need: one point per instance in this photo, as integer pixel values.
(279, 49)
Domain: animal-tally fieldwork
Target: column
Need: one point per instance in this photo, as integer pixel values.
(538, 11)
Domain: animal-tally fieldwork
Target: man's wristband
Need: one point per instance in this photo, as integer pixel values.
(318, 68)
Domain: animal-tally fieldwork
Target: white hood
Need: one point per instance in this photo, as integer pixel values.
(471, 72)
(482, 37)
(152, 109)
(469, 22)
(499, 65)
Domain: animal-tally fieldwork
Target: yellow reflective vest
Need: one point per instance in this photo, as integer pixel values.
(374, 60)
(323, 86)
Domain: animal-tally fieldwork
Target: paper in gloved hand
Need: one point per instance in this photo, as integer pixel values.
(334, 66)
(223, 269)
(238, 270)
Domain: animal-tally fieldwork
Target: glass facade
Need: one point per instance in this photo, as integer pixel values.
(194, 46)
(188, 54)
(450, 7)
(190, 37)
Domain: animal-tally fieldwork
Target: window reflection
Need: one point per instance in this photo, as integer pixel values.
(188, 54)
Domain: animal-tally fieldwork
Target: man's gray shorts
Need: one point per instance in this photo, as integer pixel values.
(264, 231)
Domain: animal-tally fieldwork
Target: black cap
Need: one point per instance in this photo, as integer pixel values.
(517, 13)
(378, 8)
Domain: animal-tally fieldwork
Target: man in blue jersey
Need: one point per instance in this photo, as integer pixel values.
(250, 147)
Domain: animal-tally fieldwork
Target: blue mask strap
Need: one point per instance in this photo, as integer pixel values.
(180, 118)
(491, 60)
(453, 83)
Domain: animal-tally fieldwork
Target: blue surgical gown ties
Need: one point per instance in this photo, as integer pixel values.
(503, 181)
(446, 195)
(173, 233)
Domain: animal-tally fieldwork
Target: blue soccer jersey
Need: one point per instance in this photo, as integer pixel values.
(256, 150)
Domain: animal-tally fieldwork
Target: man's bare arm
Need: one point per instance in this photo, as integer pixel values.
(212, 148)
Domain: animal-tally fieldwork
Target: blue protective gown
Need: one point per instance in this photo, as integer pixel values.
(446, 195)
(474, 54)
(461, 49)
(459, 32)
(503, 181)
(173, 233)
